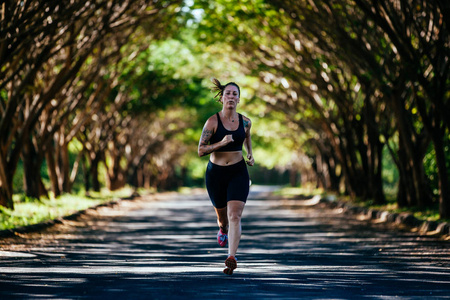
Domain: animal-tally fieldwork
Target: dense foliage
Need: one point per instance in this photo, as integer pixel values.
(350, 94)
(352, 78)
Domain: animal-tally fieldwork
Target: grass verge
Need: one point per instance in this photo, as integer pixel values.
(431, 214)
(33, 211)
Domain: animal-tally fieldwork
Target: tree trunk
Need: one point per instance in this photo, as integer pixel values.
(115, 173)
(94, 173)
(51, 167)
(139, 179)
(147, 176)
(32, 163)
(410, 157)
(334, 179)
(65, 166)
(6, 194)
(375, 159)
(29, 167)
(86, 173)
(293, 174)
(444, 183)
(405, 197)
(379, 197)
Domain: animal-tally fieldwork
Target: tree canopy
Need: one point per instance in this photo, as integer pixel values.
(333, 88)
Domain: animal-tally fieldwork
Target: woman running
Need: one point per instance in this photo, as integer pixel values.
(227, 179)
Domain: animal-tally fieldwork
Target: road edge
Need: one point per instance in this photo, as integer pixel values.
(7, 233)
(405, 219)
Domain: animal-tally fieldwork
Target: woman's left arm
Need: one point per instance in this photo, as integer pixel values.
(248, 141)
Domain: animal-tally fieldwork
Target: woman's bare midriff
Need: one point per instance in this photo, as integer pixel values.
(226, 158)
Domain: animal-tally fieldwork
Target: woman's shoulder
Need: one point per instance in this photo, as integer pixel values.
(246, 120)
(212, 121)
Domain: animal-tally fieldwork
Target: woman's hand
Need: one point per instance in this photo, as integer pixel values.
(227, 139)
(250, 160)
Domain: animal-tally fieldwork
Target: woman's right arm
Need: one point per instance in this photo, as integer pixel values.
(204, 148)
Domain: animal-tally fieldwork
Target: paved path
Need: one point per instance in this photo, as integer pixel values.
(166, 249)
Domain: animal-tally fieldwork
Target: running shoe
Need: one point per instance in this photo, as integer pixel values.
(230, 264)
(222, 238)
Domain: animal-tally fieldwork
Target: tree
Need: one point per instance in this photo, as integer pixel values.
(43, 47)
(355, 75)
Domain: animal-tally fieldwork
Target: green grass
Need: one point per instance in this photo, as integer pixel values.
(296, 191)
(32, 211)
(431, 214)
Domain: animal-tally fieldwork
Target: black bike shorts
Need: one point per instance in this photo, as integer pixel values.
(225, 183)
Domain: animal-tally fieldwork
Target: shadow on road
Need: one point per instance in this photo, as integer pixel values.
(164, 248)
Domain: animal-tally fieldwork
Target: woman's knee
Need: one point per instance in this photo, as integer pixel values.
(234, 216)
(235, 210)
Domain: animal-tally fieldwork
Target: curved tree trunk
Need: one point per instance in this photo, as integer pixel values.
(32, 162)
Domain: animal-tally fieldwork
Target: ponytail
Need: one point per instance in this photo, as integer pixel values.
(219, 88)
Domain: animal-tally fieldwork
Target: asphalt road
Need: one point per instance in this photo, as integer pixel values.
(165, 248)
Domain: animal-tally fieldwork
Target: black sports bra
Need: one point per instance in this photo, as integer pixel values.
(238, 136)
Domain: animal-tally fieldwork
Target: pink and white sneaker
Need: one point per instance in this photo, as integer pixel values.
(222, 238)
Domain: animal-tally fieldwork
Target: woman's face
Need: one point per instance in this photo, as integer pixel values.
(230, 97)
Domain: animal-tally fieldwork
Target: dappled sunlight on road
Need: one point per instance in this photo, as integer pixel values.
(158, 247)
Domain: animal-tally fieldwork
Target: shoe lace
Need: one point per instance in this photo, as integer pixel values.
(222, 237)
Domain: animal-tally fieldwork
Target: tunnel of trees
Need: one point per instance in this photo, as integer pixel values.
(115, 93)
